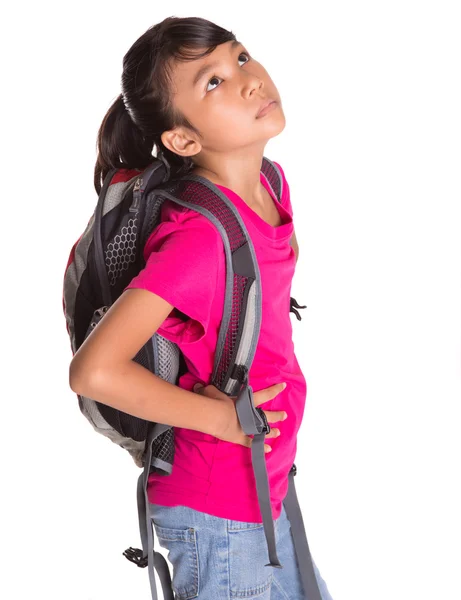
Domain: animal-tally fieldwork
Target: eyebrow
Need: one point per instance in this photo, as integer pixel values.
(210, 66)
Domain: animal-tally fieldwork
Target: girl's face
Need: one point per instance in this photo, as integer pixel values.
(221, 95)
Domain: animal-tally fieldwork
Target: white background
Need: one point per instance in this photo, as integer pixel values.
(372, 96)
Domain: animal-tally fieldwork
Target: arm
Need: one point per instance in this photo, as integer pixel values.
(103, 369)
(294, 245)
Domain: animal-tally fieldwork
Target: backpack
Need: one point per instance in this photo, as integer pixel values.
(102, 262)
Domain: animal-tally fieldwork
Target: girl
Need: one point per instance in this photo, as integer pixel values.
(193, 91)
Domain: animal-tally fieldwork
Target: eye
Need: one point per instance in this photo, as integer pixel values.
(216, 77)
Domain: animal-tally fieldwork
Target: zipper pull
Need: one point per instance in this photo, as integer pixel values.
(136, 196)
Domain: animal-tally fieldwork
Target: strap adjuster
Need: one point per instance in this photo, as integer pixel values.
(266, 427)
(293, 469)
(294, 305)
(135, 555)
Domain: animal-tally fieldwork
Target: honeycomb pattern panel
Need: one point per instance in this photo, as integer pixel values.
(121, 251)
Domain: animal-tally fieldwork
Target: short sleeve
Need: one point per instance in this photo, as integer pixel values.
(286, 200)
(182, 260)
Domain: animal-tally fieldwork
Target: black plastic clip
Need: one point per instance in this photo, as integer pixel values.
(244, 374)
(293, 304)
(293, 469)
(135, 555)
(266, 427)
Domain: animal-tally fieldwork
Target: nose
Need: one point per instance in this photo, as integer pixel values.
(252, 85)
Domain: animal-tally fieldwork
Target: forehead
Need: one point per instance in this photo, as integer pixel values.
(187, 74)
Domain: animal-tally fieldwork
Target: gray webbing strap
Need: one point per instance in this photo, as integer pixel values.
(252, 423)
(154, 559)
(303, 555)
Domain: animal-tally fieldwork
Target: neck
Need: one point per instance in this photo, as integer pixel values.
(239, 171)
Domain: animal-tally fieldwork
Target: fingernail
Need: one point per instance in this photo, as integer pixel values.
(284, 386)
(268, 449)
(285, 416)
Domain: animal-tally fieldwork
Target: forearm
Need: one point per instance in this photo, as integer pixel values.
(133, 389)
(294, 245)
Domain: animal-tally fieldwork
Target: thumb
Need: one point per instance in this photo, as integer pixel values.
(198, 386)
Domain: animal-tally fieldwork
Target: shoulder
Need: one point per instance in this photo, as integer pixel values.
(184, 230)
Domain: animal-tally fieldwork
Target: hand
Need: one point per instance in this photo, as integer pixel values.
(231, 430)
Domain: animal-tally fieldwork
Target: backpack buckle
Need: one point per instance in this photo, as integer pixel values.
(293, 469)
(135, 555)
(266, 427)
(294, 305)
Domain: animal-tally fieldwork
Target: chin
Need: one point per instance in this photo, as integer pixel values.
(275, 126)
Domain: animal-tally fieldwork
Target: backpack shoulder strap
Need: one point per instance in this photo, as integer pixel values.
(240, 326)
(273, 176)
(241, 322)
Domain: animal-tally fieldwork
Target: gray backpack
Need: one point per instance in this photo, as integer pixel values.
(102, 262)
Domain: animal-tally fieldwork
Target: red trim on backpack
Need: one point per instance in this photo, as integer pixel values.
(124, 175)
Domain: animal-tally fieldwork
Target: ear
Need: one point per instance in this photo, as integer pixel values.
(180, 142)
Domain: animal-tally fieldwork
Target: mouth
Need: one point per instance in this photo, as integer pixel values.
(266, 107)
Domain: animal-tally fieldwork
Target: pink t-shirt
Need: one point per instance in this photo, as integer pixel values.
(186, 266)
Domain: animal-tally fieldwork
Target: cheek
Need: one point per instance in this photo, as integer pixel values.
(224, 112)
(229, 123)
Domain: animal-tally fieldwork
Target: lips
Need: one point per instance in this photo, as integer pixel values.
(264, 105)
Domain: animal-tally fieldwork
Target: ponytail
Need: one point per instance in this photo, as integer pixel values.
(121, 144)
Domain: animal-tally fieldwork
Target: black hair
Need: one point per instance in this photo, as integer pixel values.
(144, 110)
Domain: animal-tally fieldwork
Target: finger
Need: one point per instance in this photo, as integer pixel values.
(273, 433)
(267, 448)
(267, 394)
(273, 416)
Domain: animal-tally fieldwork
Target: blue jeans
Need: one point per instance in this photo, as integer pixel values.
(221, 559)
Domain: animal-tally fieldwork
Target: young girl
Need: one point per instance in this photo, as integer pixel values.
(195, 93)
